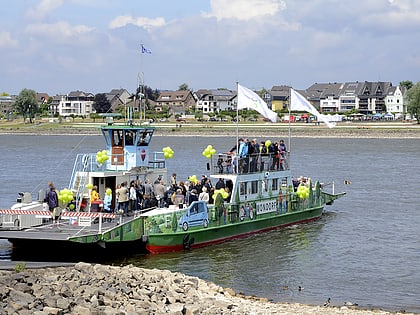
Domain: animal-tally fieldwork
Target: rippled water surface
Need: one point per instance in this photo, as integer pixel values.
(365, 249)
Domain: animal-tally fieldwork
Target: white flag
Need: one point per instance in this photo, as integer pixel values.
(298, 102)
(251, 100)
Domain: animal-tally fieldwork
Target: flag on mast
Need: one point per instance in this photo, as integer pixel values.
(144, 50)
(251, 100)
(298, 102)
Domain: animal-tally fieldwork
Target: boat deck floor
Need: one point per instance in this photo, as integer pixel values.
(58, 231)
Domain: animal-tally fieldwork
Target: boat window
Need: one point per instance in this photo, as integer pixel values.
(264, 185)
(107, 138)
(145, 138)
(274, 184)
(243, 188)
(254, 187)
(117, 138)
(129, 137)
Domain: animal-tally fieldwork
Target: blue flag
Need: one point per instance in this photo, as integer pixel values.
(144, 50)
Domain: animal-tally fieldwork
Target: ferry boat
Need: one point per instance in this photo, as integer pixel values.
(83, 225)
(259, 195)
(261, 198)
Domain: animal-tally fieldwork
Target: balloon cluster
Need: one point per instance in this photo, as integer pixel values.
(303, 192)
(101, 157)
(65, 196)
(209, 151)
(108, 191)
(193, 179)
(168, 153)
(221, 191)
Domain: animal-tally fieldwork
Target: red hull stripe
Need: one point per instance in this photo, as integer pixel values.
(156, 249)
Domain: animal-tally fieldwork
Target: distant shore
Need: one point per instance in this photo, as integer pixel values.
(392, 130)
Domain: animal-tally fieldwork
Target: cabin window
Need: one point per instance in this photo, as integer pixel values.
(274, 184)
(264, 185)
(130, 136)
(117, 138)
(284, 182)
(243, 188)
(254, 187)
(145, 138)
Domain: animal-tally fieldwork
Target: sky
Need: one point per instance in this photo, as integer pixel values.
(59, 46)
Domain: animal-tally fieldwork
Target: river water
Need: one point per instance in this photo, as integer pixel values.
(365, 248)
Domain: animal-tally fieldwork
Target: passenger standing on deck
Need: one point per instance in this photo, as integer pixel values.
(204, 195)
(242, 156)
(94, 195)
(133, 196)
(122, 196)
(107, 200)
(52, 200)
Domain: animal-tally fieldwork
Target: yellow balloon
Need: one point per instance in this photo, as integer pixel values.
(89, 186)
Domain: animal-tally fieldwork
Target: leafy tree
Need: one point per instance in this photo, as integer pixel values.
(183, 87)
(102, 104)
(407, 84)
(26, 104)
(413, 101)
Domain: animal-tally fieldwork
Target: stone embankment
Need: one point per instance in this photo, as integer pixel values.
(100, 289)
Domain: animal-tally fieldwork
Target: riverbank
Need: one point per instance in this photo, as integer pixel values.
(394, 130)
(100, 289)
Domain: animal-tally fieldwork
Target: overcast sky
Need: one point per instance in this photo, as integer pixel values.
(57, 46)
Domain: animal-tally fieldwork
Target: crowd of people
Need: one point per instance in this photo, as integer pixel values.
(139, 195)
(251, 156)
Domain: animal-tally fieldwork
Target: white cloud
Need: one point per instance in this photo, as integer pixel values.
(58, 30)
(244, 10)
(43, 9)
(144, 22)
(6, 40)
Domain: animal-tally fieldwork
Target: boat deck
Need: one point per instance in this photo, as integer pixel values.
(59, 231)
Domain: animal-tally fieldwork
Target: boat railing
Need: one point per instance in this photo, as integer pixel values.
(157, 160)
(224, 163)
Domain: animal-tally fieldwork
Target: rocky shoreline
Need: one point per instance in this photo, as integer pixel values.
(100, 289)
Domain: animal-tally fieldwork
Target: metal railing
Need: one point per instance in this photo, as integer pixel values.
(253, 163)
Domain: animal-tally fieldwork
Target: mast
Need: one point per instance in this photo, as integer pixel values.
(237, 118)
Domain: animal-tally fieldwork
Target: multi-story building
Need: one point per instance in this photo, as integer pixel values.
(394, 100)
(215, 100)
(76, 103)
(6, 105)
(279, 97)
(175, 99)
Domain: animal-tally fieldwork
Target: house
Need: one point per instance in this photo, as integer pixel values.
(372, 97)
(119, 97)
(394, 100)
(41, 98)
(175, 99)
(215, 100)
(6, 105)
(349, 99)
(76, 103)
(279, 97)
(325, 96)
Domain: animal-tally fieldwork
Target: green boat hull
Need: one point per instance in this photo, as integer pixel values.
(201, 236)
